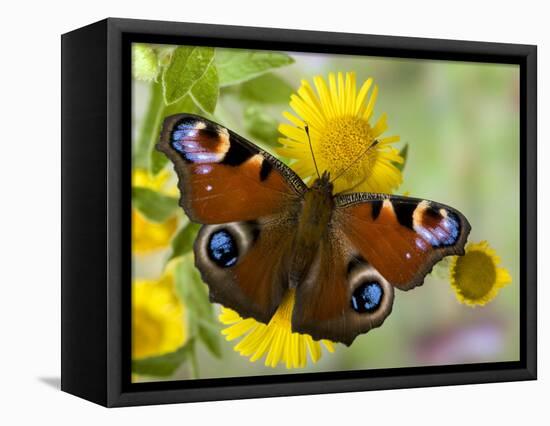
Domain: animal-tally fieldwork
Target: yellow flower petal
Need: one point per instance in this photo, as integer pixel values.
(350, 93)
(308, 114)
(381, 126)
(303, 168)
(329, 345)
(389, 140)
(334, 93)
(314, 350)
(238, 329)
(370, 105)
(293, 119)
(149, 236)
(324, 97)
(341, 94)
(229, 316)
(276, 340)
(158, 318)
(294, 133)
(160, 182)
(307, 94)
(359, 103)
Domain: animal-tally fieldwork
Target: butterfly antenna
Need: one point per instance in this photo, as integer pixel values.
(372, 145)
(306, 128)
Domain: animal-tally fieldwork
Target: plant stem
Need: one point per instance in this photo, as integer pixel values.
(148, 132)
(194, 365)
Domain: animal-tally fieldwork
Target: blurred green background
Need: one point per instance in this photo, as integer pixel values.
(461, 121)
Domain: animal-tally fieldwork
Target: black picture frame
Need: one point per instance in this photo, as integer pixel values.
(96, 233)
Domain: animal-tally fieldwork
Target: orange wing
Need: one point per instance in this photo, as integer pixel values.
(402, 237)
(247, 201)
(343, 295)
(222, 176)
(245, 264)
(374, 243)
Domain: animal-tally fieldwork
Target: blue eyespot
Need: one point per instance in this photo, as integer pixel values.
(222, 249)
(445, 234)
(367, 297)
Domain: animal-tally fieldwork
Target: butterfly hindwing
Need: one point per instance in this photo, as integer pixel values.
(244, 264)
(222, 176)
(343, 296)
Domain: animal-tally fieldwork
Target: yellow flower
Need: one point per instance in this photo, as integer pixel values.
(476, 277)
(160, 182)
(158, 318)
(342, 138)
(149, 236)
(275, 338)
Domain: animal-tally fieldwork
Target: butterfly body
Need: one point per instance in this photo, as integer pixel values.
(312, 227)
(265, 232)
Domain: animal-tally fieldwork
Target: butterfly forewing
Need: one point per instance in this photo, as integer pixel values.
(223, 177)
(401, 237)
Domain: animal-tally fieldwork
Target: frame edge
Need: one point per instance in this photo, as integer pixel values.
(83, 213)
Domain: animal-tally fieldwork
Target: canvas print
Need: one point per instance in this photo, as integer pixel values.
(302, 212)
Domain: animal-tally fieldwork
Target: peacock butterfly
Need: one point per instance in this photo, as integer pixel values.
(265, 232)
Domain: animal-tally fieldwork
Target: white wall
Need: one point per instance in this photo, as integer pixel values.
(30, 200)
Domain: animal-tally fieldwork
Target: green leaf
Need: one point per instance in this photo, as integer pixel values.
(191, 288)
(441, 269)
(235, 66)
(188, 65)
(186, 278)
(193, 291)
(267, 88)
(158, 161)
(154, 205)
(261, 125)
(184, 240)
(164, 365)
(403, 153)
(206, 90)
(210, 336)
